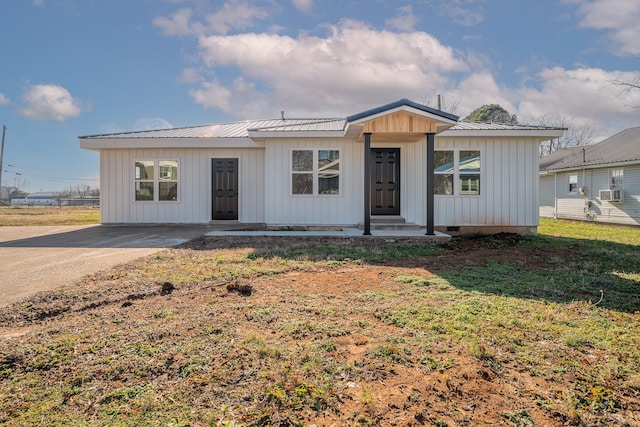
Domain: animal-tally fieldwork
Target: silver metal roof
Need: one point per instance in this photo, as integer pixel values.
(232, 130)
(465, 125)
(623, 147)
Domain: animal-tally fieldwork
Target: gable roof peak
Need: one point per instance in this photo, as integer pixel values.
(404, 102)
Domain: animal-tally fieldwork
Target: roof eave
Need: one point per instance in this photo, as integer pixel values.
(98, 144)
(593, 166)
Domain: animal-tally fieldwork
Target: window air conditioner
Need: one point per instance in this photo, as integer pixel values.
(611, 195)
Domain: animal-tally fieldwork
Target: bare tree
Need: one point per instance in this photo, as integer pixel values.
(574, 134)
(450, 105)
(628, 87)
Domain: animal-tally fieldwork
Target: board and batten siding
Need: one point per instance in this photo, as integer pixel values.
(573, 205)
(509, 184)
(194, 186)
(547, 196)
(284, 208)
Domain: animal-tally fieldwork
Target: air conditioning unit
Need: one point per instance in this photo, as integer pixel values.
(611, 195)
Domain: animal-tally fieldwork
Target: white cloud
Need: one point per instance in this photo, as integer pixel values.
(583, 95)
(177, 25)
(404, 21)
(353, 62)
(303, 5)
(3, 99)
(235, 15)
(50, 102)
(619, 17)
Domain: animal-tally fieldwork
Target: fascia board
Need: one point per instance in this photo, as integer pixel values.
(595, 166)
(297, 134)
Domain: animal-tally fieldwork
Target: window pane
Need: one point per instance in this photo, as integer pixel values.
(168, 170)
(470, 161)
(302, 183)
(328, 183)
(443, 161)
(617, 178)
(469, 184)
(144, 190)
(302, 160)
(144, 169)
(573, 183)
(443, 184)
(328, 160)
(168, 191)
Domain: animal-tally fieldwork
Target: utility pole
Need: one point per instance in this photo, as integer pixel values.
(4, 130)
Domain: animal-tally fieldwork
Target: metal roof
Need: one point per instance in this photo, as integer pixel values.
(466, 125)
(231, 130)
(623, 147)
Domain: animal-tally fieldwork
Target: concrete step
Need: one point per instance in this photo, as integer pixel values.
(387, 219)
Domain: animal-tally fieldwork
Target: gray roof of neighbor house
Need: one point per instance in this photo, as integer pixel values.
(621, 148)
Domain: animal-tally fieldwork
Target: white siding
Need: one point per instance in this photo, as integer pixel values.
(509, 184)
(573, 206)
(283, 208)
(194, 186)
(547, 196)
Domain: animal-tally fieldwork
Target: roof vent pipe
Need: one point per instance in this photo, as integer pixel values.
(282, 114)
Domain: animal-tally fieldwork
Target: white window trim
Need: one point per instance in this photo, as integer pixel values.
(156, 180)
(617, 185)
(315, 173)
(575, 192)
(456, 172)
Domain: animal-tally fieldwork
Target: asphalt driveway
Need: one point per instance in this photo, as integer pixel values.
(35, 259)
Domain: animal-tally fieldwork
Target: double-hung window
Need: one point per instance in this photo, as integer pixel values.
(457, 172)
(573, 184)
(617, 179)
(156, 180)
(315, 172)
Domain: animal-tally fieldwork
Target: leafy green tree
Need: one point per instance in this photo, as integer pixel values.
(492, 113)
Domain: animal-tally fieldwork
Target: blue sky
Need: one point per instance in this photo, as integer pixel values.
(80, 67)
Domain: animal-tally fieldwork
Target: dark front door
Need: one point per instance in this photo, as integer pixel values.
(385, 181)
(225, 189)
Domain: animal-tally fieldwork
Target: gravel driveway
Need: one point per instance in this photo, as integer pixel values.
(35, 259)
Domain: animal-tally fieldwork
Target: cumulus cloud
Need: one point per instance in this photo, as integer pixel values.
(353, 61)
(233, 15)
(405, 20)
(619, 17)
(50, 102)
(3, 99)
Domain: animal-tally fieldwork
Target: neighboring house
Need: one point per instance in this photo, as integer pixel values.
(599, 182)
(333, 172)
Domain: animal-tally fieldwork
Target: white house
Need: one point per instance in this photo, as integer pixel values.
(403, 162)
(599, 182)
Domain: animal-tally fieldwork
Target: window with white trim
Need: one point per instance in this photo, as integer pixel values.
(457, 172)
(315, 172)
(617, 179)
(150, 186)
(573, 184)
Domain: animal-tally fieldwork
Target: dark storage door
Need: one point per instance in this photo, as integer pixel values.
(385, 181)
(225, 189)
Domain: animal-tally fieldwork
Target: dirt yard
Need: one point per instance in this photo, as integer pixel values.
(277, 338)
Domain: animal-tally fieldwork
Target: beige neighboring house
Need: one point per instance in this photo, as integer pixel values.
(599, 182)
(402, 164)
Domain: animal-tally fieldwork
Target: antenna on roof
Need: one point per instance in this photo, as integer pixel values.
(282, 114)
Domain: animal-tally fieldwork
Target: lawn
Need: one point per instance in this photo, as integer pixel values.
(483, 330)
(48, 215)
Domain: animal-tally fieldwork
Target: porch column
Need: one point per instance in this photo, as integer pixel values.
(430, 141)
(367, 184)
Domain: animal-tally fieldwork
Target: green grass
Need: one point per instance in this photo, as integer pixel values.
(533, 327)
(40, 215)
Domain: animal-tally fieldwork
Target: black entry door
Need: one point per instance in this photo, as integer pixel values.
(385, 181)
(225, 189)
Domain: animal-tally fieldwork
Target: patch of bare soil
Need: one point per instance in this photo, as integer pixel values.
(444, 385)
